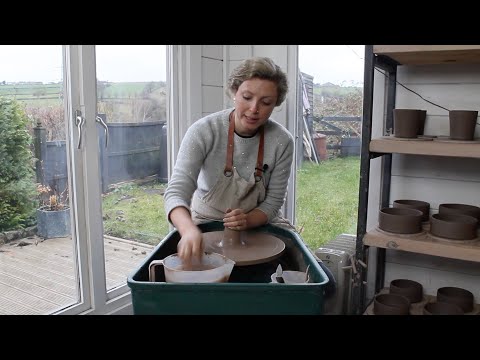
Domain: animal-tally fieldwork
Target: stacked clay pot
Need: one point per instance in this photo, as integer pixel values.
(400, 220)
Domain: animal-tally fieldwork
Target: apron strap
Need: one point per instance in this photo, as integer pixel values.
(259, 168)
(229, 162)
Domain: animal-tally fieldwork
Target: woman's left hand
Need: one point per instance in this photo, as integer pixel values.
(235, 219)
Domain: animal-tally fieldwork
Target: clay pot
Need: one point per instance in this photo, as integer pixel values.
(462, 124)
(463, 209)
(391, 304)
(454, 226)
(423, 117)
(457, 296)
(412, 290)
(400, 221)
(423, 206)
(442, 308)
(406, 122)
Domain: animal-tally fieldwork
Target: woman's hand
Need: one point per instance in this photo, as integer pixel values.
(190, 245)
(235, 219)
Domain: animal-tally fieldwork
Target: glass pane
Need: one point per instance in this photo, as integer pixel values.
(328, 167)
(37, 256)
(131, 100)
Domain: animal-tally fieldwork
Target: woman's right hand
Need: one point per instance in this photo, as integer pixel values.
(190, 245)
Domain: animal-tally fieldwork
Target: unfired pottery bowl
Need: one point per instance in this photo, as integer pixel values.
(457, 296)
(423, 206)
(412, 290)
(442, 308)
(406, 122)
(462, 124)
(460, 209)
(391, 304)
(453, 226)
(400, 221)
(423, 117)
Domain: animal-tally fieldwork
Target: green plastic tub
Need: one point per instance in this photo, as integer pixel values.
(249, 290)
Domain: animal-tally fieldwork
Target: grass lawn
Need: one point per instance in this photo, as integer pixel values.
(327, 202)
(136, 212)
(327, 199)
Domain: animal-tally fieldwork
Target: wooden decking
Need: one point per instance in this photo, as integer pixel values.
(37, 277)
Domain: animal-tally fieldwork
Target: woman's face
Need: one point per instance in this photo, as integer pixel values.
(255, 100)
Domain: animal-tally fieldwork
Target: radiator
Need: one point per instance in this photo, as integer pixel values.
(337, 255)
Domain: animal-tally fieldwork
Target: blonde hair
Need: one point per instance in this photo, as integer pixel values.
(262, 68)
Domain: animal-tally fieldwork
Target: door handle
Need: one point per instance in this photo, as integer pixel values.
(100, 120)
(79, 121)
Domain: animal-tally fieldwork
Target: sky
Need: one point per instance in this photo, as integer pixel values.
(337, 64)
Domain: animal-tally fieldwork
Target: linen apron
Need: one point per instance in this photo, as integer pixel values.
(232, 191)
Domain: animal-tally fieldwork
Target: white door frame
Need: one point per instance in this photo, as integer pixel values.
(84, 170)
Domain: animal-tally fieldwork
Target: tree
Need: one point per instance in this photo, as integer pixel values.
(17, 188)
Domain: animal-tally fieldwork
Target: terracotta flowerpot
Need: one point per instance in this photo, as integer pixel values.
(406, 122)
(462, 124)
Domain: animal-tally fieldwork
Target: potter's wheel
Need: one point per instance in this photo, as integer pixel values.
(252, 247)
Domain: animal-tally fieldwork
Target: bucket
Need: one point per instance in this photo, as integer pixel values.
(321, 145)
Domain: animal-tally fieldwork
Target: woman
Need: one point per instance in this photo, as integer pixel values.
(233, 165)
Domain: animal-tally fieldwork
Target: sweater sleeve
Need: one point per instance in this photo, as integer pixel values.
(280, 173)
(190, 159)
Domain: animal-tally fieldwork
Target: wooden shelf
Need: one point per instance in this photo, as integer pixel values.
(417, 308)
(430, 54)
(424, 244)
(428, 147)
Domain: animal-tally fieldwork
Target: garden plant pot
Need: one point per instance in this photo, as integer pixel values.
(52, 224)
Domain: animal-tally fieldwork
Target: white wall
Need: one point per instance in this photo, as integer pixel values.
(433, 179)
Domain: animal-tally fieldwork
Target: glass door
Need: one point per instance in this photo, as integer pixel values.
(83, 168)
(39, 267)
(118, 97)
(132, 144)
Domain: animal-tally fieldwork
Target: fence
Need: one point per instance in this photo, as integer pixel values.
(350, 142)
(135, 151)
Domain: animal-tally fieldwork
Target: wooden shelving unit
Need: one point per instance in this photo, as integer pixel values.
(388, 57)
(430, 54)
(425, 244)
(427, 147)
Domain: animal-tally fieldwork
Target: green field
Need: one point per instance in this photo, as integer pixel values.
(39, 94)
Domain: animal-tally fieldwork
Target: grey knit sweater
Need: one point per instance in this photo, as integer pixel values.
(202, 155)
